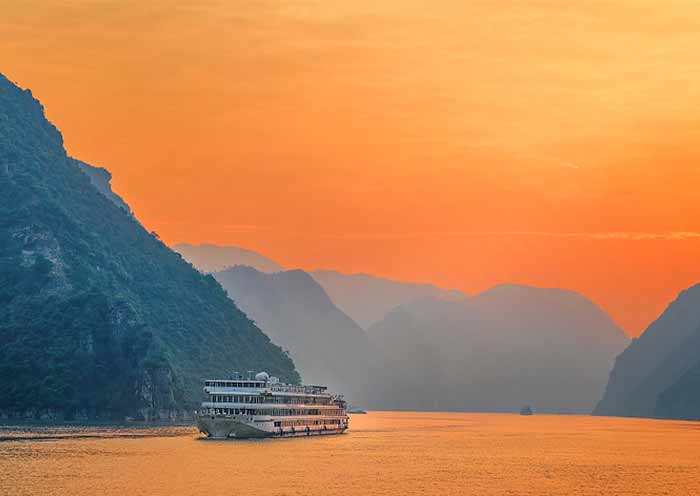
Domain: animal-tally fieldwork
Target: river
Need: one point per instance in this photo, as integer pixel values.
(383, 453)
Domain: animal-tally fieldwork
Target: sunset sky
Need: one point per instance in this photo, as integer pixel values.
(553, 143)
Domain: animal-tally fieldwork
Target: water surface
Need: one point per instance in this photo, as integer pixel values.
(382, 454)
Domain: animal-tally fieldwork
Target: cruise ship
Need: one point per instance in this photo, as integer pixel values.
(262, 406)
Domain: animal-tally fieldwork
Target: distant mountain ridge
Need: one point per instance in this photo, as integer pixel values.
(327, 346)
(658, 375)
(363, 297)
(507, 347)
(368, 299)
(98, 318)
(212, 258)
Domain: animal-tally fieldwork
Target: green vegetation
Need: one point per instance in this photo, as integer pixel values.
(97, 316)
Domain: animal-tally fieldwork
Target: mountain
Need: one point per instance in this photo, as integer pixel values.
(212, 258)
(502, 349)
(102, 180)
(98, 318)
(327, 346)
(367, 299)
(659, 372)
(681, 399)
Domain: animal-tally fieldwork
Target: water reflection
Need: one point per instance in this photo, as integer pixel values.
(383, 454)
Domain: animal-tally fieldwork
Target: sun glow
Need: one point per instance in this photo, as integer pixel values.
(468, 144)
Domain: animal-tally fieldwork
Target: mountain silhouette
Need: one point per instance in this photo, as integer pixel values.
(497, 351)
(98, 318)
(367, 298)
(658, 373)
(327, 346)
(212, 258)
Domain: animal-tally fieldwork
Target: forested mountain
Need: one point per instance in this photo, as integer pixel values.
(327, 346)
(497, 351)
(367, 299)
(97, 316)
(211, 258)
(659, 373)
(102, 180)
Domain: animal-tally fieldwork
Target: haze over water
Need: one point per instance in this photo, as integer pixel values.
(383, 453)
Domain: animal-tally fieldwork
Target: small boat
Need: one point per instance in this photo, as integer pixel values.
(526, 410)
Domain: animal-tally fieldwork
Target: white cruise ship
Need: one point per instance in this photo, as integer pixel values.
(261, 406)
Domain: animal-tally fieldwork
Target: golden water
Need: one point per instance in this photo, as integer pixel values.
(382, 454)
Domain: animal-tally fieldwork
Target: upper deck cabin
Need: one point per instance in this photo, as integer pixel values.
(220, 383)
(262, 382)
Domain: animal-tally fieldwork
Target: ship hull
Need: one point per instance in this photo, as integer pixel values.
(230, 428)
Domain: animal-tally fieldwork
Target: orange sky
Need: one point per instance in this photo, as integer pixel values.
(462, 143)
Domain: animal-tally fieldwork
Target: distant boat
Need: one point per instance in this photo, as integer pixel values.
(526, 410)
(357, 411)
